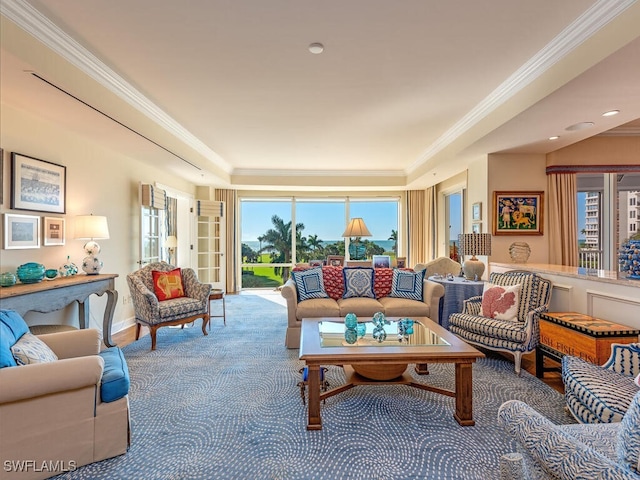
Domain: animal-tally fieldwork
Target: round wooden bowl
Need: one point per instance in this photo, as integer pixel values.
(380, 372)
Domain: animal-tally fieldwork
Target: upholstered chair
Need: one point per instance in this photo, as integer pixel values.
(601, 393)
(515, 336)
(190, 304)
(439, 266)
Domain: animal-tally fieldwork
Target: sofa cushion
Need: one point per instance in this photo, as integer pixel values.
(628, 447)
(12, 327)
(403, 307)
(168, 285)
(309, 284)
(30, 349)
(333, 281)
(407, 284)
(382, 280)
(361, 306)
(500, 302)
(115, 376)
(358, 282)
(317, 307)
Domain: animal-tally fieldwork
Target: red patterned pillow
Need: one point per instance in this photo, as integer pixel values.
(168, 285)
(382, 279)
(500, 302)
(333, 281)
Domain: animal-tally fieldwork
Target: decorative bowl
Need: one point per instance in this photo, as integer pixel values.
(51, 273)
(31, 272)
(7, 279)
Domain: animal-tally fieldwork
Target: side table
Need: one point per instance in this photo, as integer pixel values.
(456, 291)
(578, 335)
(217, 294)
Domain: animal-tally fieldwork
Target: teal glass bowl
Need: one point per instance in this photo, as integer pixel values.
(30, 272)
(7, 279)
(51, 273)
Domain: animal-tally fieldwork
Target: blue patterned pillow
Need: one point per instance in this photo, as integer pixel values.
(358, 282)
(309, 284)
(30, 349)
(405, 284)
(628, 447)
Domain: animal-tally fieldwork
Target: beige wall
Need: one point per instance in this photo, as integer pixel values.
(598, 151)
(99, 181)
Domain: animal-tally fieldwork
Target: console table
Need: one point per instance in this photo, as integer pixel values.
(51, 295)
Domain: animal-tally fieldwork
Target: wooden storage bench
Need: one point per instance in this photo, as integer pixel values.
(579, 335)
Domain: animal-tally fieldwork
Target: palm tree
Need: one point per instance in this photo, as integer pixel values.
(278, 243)
(315, 244)
(394, 237)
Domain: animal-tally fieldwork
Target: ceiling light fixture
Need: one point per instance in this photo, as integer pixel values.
(579, 126)
(611, 113)
(316, 48)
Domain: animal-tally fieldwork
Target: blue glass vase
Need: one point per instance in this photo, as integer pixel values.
(31, 272)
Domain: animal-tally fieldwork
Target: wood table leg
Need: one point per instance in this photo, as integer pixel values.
(315, 422)
(464, 394)
(422, 369)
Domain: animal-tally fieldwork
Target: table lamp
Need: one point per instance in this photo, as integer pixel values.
(474, 244)
(91, 227)
(171, 243)
(356, 229)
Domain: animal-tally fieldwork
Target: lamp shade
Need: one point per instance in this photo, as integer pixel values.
(171, 242)
(91, 227)
(356, 228)
(475, 243)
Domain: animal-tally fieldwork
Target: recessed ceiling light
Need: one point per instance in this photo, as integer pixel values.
(316, 48)
(579, 126)
(555, 137)
(611, 113)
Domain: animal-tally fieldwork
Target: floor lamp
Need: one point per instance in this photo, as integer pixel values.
(356, 229)
(474, 244)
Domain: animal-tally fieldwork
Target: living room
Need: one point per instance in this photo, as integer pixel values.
(105, 162)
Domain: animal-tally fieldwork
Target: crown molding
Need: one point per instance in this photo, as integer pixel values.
(581, 29)
(39, 26)
(316, 173)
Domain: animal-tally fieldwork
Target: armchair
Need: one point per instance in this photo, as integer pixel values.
(153, 313)
(440, 265)
(515, 337)
(569, 452)
(59, 414)
(601, 393)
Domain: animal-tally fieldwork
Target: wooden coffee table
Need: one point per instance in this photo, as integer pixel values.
(322, 343)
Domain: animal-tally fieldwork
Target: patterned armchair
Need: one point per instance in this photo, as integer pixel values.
(569, 452)
(515, 337)
(601, 393)
(153, 313)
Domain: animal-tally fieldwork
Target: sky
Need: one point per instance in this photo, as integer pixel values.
(325, 219)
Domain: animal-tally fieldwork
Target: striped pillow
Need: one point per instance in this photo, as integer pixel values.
(407, 284)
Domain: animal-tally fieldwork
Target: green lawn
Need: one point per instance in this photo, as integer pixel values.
(260, 277)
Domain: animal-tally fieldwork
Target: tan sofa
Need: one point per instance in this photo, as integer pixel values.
(52, 418)
(362, 307)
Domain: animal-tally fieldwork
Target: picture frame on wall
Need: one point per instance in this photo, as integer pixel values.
(476, 212)
(54, 231)
(37, 185)
(518, 213)
(476, 228)
(1, 176)
(21, 231)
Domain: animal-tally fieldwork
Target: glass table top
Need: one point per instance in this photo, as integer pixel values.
(402, 332)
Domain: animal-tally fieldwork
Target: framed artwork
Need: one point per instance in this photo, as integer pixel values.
(53, 231)
(21, 231)
(335, 260)
(315, 263)
(1, 176)
(476, 228)
(401, 262)
(518, 213)
(381, 261)
(37, 185)
(476, 211)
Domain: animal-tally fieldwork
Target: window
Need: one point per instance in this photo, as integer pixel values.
(454, 218)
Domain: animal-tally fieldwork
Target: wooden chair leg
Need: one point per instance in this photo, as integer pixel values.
(138, 326)
(152, 331)
(205, 320)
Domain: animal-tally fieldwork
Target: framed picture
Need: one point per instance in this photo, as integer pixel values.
(315, 263)
(476, 228)
(518, 213)
(476, 211)
(21, 231)
(1, 176)
(37, 185)
(335, 260)
(53, 231)
(401, 262)
(381, 261)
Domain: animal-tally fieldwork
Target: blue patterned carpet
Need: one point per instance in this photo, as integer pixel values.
(226, 406)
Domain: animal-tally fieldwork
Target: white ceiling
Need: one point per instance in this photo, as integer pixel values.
(404, 95)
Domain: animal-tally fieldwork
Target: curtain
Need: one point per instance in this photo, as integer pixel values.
(171, 214)
(231, 267)
(416, 227)
(562, 228)
(431, 222)
(153, 197)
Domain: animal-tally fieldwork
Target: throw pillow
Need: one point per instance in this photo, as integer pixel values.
(500, 302)
(628, 446)
(168, 285)
(333, 281)
(12, 327)
(407, 284)
(30, 349)
(358, 282)
(309, 284)
(382, 282)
